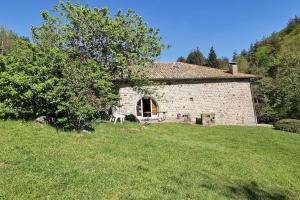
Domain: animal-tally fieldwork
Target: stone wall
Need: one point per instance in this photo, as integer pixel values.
(230, 100)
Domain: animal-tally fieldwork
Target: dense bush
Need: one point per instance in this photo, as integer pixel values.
(68, 73)
(27, 83)
(83, 91)
(290, 125)
(45, 82)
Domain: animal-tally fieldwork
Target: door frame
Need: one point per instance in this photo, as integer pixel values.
(142, 108)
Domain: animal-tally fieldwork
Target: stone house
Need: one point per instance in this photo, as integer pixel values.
(190, 90)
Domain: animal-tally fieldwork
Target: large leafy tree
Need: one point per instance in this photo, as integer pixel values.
(196, 57)
(114, 42)
(212, 60)
(71, 71)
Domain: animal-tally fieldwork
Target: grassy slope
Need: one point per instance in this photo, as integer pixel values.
(286, 39)
(165, 161)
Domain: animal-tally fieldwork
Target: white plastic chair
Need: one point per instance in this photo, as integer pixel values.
(116, 115)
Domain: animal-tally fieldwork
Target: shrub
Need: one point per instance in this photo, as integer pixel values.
(69, 72)
(290, 125)
(84, 90)
(27, 81)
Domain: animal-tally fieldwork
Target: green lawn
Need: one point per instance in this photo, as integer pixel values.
(160, 161)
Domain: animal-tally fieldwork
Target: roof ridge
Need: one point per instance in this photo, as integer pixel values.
(180, 70)
(194, 65)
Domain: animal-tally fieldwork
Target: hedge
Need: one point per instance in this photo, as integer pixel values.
(290, 125)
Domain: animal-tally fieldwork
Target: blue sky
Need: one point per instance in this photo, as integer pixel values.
(227, 25)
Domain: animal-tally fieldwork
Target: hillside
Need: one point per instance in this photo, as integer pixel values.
(286, 41)
(276, 61)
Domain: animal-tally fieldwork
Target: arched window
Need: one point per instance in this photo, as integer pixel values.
(146, 107)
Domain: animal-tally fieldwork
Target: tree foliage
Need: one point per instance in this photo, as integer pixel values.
(243, 63)
(224, 63)
(27, 83)
(181, 59)
(212, 59)
(114, 42)
(69, 73)
(7, 38)
(196, 57)
(234, 55)
(82, 93)
(276, 62)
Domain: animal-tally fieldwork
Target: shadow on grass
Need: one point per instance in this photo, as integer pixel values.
(253, 192)
(247, 190)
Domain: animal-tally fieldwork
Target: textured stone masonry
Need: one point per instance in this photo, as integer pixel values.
(230, 100)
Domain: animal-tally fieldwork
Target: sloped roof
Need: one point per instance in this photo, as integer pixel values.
(178, 70)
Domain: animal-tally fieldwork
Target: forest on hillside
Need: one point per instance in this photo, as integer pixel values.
(275, 60)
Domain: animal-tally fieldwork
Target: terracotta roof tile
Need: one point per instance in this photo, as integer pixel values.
(178, 70)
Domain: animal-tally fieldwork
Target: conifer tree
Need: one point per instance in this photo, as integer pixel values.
(244, 53)
(212, 60)
(234, 56)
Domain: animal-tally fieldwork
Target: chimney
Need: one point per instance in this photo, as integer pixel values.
(233, 68)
